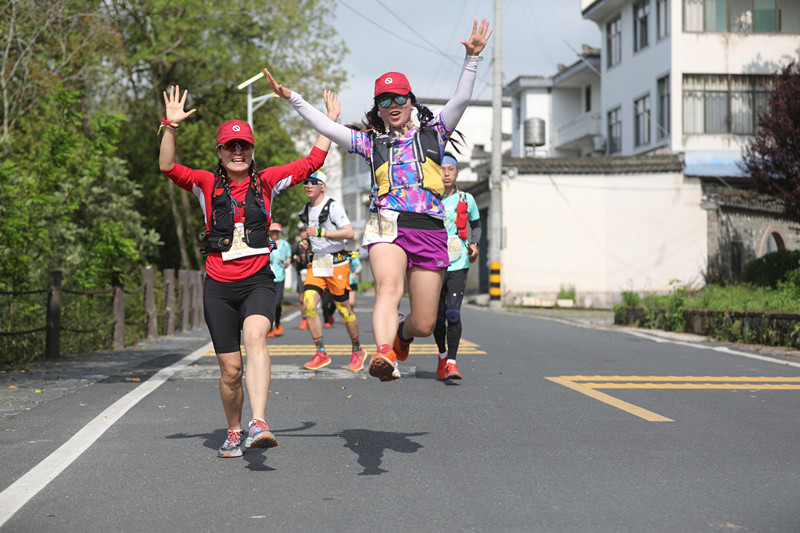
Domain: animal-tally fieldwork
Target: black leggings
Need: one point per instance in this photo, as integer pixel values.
(278, 301)
(447, 331)
(227, 304)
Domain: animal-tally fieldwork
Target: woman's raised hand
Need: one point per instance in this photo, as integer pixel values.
(279, 89)
(332, 105)
(480, 36)
(174, 105)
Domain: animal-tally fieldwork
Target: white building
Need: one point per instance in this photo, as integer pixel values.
(671, 98)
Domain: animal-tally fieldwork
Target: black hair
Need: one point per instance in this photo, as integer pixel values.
(373, 120)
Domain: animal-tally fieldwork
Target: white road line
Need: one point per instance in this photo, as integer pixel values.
(722, 349)
(22, 490)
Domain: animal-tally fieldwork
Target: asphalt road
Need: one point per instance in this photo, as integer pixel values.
(556, 426)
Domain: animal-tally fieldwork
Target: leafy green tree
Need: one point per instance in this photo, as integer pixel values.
(772, 157)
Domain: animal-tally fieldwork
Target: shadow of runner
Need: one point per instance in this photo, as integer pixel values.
(370, 446)
(367, 444)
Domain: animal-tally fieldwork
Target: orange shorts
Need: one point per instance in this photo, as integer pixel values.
(338, 284)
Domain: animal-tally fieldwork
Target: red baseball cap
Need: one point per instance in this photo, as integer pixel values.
(235, 129)
(392, 82)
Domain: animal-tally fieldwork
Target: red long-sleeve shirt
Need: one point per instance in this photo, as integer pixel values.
(273, 179)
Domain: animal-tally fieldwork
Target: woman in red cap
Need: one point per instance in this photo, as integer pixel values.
(239, 292)
(405, 236)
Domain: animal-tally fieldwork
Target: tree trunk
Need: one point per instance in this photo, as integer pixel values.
(178, 226)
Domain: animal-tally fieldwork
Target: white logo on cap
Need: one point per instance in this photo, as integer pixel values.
(387, 81)
(236, 127)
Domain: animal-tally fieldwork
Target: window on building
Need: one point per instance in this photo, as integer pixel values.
(723, 103)
(614, 42)
(742, 16)
(641, 125)
(587, 99)
(662, 18)
(641, 10)
(662, 124)
(614, 130)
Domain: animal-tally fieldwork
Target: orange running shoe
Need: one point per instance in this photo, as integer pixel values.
(383, 364)
(303, 324)
(357, 361)
(279, 330)
(401, 348)
(441, 368)
(320, 360)
(451, 371)
(271, 334)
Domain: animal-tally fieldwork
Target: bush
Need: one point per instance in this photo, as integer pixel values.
(768, 270)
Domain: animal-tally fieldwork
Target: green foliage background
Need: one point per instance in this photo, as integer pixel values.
(81, 86)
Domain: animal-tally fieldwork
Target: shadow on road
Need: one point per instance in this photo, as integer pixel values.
(367, 444)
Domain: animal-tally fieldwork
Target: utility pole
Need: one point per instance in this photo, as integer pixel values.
(495, 179)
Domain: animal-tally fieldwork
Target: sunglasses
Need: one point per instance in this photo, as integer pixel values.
(386, 101)
(311, 182)
(232, 146)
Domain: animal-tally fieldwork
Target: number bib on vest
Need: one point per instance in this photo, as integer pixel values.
(239, 248)
(454, 248)
(322, 266)
(385, 231)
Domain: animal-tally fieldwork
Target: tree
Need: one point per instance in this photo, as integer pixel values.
(772, 157)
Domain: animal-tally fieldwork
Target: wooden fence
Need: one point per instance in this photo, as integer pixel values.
(188, 313)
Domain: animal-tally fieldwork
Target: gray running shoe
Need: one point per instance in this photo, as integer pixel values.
(232, 447)
(259, 435)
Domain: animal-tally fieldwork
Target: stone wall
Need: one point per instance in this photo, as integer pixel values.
(743, 226)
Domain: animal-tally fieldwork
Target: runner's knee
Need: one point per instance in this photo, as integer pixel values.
(309, 305)
(347, 316)
(453, 315)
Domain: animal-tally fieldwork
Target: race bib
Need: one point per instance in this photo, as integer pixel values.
(322, 266)
(385, 231)
(454, 247)
(239, 248)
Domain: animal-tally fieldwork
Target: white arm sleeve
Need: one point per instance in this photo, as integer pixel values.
(318, 120)
(454, 109)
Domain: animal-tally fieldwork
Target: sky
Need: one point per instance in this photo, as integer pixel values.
(421, 38)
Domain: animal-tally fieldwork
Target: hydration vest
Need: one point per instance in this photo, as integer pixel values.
(461, 216)
(427, 157)
(323, 215)
(219, 236)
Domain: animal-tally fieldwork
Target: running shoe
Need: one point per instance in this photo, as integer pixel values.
(383, 364)
(401, 348)
(259, 435)
(232, 447)
(357, 361)
(278, 330)
(271, 334)
(441, 368)
(326, 325)
(303, 324)
(320, 360)
(451, 371)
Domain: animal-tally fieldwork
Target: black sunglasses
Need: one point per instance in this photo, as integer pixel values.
(231, 146)
(386, 100)
(312, 182)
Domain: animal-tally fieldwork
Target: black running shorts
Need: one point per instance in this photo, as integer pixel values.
(227, 304)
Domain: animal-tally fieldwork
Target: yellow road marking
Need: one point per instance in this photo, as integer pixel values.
(610, 400)
(795, 379)
(306, 349)
(695, 386)
(588, 384)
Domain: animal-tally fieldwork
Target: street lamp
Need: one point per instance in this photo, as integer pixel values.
(254, 103)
